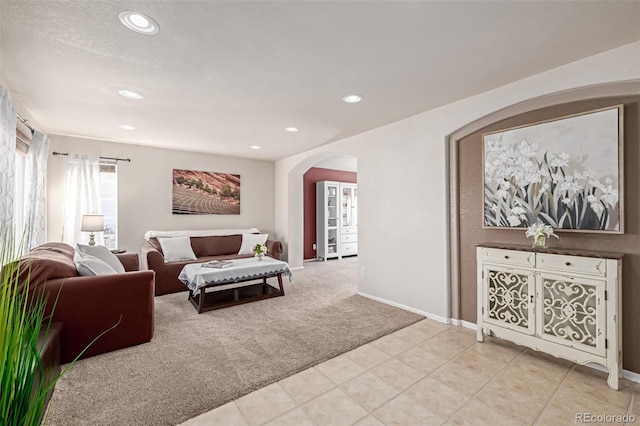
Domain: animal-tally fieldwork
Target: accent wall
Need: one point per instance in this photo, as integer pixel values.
(313, 175)
(471, 216)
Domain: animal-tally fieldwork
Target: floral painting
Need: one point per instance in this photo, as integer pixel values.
(565, 173)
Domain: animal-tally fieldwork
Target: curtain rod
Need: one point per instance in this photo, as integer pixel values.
(26, 123)
(104, 158)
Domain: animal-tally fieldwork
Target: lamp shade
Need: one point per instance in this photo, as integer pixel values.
(92, 223)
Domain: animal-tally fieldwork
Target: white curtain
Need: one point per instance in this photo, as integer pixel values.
(35, 205)
(82, 197)
(8, 117)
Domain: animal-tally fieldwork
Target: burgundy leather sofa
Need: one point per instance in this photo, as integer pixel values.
(90, 305)
(220, 247)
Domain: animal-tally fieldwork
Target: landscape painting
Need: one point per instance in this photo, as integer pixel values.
(196, 192)
(566, 173)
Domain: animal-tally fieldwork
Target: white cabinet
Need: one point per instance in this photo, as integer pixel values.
(563, 302)
(327, 218)
(336, 219)
(348, 219)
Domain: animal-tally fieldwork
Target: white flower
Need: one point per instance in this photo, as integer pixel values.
(609, 195)
(595, 183)
(571, 185)
(592, 198)
(597, 208)
(514, 221)
(566, 201)
(538, 229)
(503, 192)
(529, 150)
(518, 210)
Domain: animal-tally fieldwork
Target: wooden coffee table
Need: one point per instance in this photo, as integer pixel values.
(199, 278)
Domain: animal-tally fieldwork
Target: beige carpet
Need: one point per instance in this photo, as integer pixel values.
(198, 362)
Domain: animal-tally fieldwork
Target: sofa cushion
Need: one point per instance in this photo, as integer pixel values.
(177, 248)
(216, 245)
(89, 265)
(47, 262)
(61, 248)
(102, 253)
(249, 240)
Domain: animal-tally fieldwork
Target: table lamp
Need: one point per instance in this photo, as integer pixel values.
(92, 223)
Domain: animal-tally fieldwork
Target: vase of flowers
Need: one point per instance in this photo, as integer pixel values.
(259, 250)
(540, 233)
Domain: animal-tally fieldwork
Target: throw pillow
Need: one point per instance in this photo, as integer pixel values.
(177, 248)
(89, 265)
(248, 240)
(102, 253)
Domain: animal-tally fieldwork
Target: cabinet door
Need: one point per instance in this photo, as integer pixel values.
(508, 298)
(349, 206)
(327, 218)
(572, 312)
(332, 205)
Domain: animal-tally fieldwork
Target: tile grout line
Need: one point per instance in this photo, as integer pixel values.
(337, 386)
(449, 360)
(494, 377)
(547, 405)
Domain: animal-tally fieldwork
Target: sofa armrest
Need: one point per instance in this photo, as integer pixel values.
(275, 249)
(89, 306)
(151, 258)
(129, 261)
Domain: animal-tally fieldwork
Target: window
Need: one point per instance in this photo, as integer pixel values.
(109, 203)
(22, 146)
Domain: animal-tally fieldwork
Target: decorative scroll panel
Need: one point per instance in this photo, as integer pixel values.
(570, 311)
(508, 298)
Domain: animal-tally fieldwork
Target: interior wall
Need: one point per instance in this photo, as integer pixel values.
(313, 175)
(471, 232)
(145, 189)
(403, 184)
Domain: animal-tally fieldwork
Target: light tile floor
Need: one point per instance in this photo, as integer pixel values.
(432, 374)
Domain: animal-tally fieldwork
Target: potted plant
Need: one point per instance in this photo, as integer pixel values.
(22, 393)
(24, 325)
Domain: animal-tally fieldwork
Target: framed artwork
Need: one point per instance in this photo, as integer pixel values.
(196, 192)
(565, 172)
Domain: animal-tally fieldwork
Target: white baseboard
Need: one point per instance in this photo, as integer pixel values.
(295, 268)
(626, 374)
(629, 375)
(406, 308)
(469, 325)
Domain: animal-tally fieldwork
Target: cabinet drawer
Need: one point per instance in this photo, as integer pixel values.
(510, 257)
(572, 264)
(350, 231)
(349, 248)
(349, 238)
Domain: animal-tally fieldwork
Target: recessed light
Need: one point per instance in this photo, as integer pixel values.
(291, 129)
(126, 127)
(352, 99)
(254, 147)
(139, 22)
(130, 94)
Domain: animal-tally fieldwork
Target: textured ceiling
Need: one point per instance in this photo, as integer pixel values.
(221, 76)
